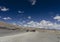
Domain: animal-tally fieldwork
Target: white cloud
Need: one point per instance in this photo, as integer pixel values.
(29, 17)
(43, 24)
(57, 18)
(20, 11)
(33, 2)
(4, 9)
(7, 18)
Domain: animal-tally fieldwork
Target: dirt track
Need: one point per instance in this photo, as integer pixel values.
(31, 37)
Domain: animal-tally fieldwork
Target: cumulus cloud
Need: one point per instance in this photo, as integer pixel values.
(20, 11)
(33, 2)
(4, 9)
(57, 18)
(29, 17)
(43, 24)
(7, 18)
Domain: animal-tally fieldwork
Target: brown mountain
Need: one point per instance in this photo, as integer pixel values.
(4, 25)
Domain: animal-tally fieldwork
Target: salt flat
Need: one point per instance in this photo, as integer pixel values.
(31, 37)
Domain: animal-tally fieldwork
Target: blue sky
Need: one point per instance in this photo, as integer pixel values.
(23, 11)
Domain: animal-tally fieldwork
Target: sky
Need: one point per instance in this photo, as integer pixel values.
(31, 13)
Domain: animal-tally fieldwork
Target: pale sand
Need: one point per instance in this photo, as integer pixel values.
(31, 37)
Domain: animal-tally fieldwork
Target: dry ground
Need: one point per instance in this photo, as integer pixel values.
(32, 37)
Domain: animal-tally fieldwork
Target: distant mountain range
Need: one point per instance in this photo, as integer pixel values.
(4, 25)
(8, 26)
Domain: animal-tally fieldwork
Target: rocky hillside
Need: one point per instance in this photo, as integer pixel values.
(4, 25)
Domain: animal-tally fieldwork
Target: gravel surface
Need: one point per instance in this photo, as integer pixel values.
(31, 37)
